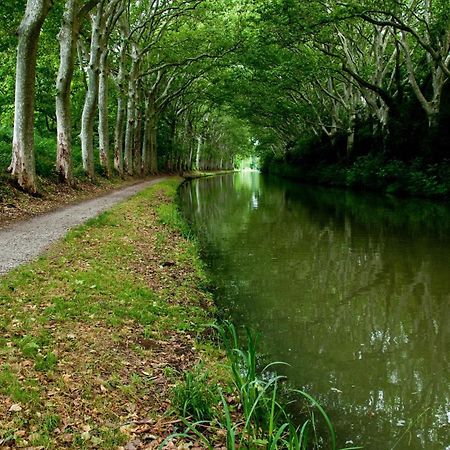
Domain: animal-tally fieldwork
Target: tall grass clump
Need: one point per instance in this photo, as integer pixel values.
(195, 397)
(254, 411)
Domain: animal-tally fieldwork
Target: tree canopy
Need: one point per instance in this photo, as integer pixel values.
(175, 85)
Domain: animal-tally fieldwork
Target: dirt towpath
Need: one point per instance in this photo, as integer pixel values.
(23, 241)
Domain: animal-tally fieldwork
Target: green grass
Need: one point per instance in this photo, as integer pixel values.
(72, 324)
(196, 396)
(87, 328)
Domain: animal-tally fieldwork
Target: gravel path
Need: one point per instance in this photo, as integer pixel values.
(24, 241)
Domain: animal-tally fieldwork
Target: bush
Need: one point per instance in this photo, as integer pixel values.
(372, 172)
(5, 148)
(365, 173)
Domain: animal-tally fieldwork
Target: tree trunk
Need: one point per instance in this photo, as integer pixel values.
(129, 133)
(197, 156)
(103, 122)
(131, 112)
(146, 144)
(119, 135)
(352, 99)
(147, 140)
(137, 144)
(90, 104)
(153, 128)
(68, 37)
(121, 103)
(153, 146)
(67, 49)
(431, 108)
(23, 166)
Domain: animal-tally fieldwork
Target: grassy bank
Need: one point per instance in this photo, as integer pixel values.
(95, 334)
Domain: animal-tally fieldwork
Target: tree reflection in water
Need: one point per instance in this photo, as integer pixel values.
(352, 290)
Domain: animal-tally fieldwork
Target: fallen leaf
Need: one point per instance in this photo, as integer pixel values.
(85, 435)
(15, 408)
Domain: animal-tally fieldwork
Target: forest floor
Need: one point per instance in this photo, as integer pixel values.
(17, 205)
(95, 334)
(23, 241)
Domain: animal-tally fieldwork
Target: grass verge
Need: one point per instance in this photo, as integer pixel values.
(95, 334)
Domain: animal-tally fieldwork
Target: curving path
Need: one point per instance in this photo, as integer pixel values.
(23, 241)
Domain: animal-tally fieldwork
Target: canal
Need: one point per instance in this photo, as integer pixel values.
(352, 290)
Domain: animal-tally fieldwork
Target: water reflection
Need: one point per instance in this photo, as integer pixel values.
(351, 290)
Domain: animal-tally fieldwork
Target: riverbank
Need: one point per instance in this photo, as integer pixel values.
(196, 174)
(96, 333)
(369, 173)
(107, 343)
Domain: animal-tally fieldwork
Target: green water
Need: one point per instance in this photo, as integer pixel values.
(352, 290)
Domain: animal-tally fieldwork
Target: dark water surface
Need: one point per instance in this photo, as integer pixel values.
(352, 290)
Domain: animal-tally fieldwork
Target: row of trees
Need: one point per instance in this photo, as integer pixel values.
(178, 84)
(349, 76)
(132, 72)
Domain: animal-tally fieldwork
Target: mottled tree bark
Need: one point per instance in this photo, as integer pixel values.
(120, 118)
(198, 154)
(90, 104)
(131, 111)
(23, 166)
(137, 140)
(153, 145)
(67, 49)
(103, 120)
(74, 13)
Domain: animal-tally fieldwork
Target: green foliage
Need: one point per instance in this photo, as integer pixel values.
(371, 172)
(196, 397)
(250, 77)
(5, 148)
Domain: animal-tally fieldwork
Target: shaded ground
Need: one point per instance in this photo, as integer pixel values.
(16, 205)
(95, 334)
(24, 241)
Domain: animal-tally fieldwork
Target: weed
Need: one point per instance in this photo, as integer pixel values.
(46, 362)
(50, 423)
(195, 396)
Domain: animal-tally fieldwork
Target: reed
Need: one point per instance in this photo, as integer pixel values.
(262, 419)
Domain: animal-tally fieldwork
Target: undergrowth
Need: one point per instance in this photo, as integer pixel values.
(372, 172)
